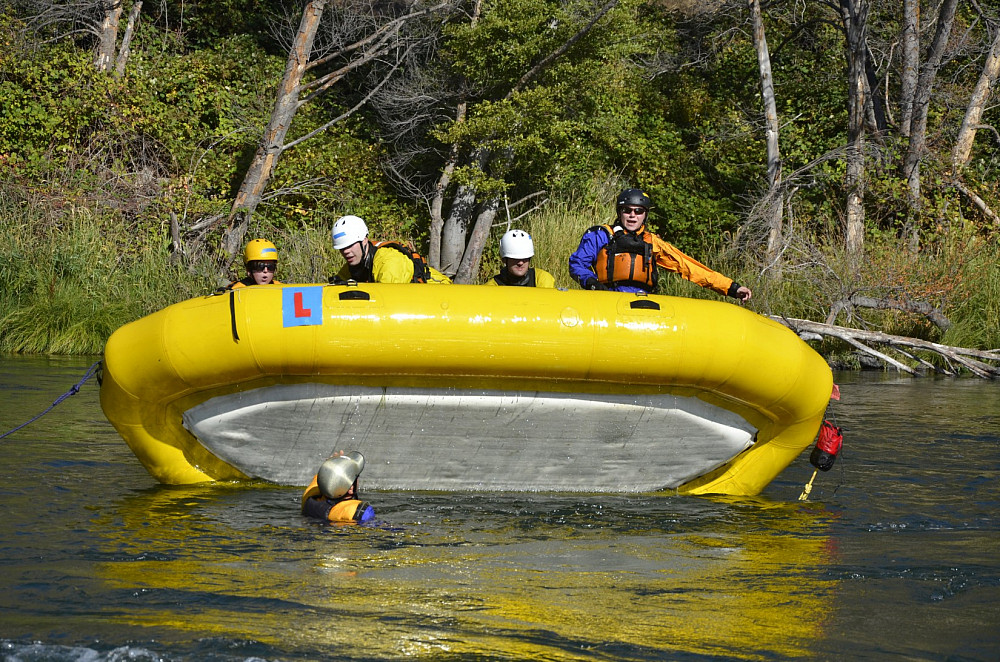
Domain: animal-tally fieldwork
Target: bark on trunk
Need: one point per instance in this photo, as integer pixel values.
(455, 229)
(435, 252)
(911, 63)
(108, 37)
(434, 256)
(855, 17)
(967, 134)
(468, 270)
(918, 124)
(906, 305)
(272, 142)
(126, 47)
(775, 208)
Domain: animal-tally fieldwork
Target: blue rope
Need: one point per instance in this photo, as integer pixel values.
(73, 391)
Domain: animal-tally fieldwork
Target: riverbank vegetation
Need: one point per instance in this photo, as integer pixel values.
(131, 173)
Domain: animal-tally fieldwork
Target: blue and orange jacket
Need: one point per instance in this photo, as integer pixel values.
(632, 272)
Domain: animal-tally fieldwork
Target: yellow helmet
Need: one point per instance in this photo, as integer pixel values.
(259, 249)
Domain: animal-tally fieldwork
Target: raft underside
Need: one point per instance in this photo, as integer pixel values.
(449, 439)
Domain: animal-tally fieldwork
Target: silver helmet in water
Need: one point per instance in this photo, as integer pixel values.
(338, 473)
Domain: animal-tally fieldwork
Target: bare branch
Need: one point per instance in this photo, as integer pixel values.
(379, 35)
(353, 109)
(323, 83)
(976, 361)
(979, 203)
(905, 305)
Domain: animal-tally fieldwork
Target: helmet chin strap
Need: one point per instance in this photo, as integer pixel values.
(367, 253)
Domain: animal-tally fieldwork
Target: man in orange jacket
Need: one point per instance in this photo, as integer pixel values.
(624, 257)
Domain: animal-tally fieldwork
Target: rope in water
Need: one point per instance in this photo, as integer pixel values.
(73, 391)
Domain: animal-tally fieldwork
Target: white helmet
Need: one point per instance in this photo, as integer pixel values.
(338, 473)
(517, 244)
(348, 230)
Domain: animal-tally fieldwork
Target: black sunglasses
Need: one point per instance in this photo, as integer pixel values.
(638, 211)
(263, 265)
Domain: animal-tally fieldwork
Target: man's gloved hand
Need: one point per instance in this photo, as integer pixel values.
(594, 284)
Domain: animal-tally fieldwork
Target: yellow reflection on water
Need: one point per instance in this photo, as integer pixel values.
(751, 589)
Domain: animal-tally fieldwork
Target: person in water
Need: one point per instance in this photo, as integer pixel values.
(332, 496)
(260, 257)
(624, 257)
(378, 262)
(516, 251)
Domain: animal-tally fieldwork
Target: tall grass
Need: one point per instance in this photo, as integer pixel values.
(68, 285)
(976, 314)
(556, 231)
(71, 276)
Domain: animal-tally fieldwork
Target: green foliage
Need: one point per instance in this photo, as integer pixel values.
(205, 24)
(92, 168)
(67, 287)
(590, 111)
(72, 277)
(975, 309)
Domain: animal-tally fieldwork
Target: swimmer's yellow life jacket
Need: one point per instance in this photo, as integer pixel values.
(340, 511)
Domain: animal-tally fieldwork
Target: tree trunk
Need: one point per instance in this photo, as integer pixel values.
(272, 143)
(967, 134)
(855, 17)
(874, 107)
(434, 257)
(108, 37)
(434, 254)
(775, 209)
(918, 123)
(454, 252)
(911, 63)
(455, 229)
(985, 364)
(468, 270)
(126, 47)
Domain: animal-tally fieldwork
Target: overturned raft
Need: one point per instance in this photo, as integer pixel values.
(465, 388)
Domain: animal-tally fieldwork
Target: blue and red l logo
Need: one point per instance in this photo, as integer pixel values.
(302, 306)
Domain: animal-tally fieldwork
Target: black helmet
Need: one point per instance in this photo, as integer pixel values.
(633, 196)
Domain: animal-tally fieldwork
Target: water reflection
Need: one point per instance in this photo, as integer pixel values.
(539, 577)
(896, 555)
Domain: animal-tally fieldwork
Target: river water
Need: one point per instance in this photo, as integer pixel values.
(895, 556)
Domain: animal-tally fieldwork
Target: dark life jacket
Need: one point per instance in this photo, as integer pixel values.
(627, 258)
(504, 278)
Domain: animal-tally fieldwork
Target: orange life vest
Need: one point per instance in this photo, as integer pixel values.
(627, 259)
(421, 272)
(343, 511)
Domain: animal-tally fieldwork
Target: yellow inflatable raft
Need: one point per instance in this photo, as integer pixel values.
(465, 388)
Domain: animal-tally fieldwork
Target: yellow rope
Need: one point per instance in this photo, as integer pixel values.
(808, 487)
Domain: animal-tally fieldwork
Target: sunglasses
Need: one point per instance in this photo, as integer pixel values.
(263, 265)
(638, 211)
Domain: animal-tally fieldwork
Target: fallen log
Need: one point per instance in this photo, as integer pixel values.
(982, 363)
(905, 305)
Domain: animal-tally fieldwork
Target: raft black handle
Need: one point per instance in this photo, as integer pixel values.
(355, 295)
(644, 303)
